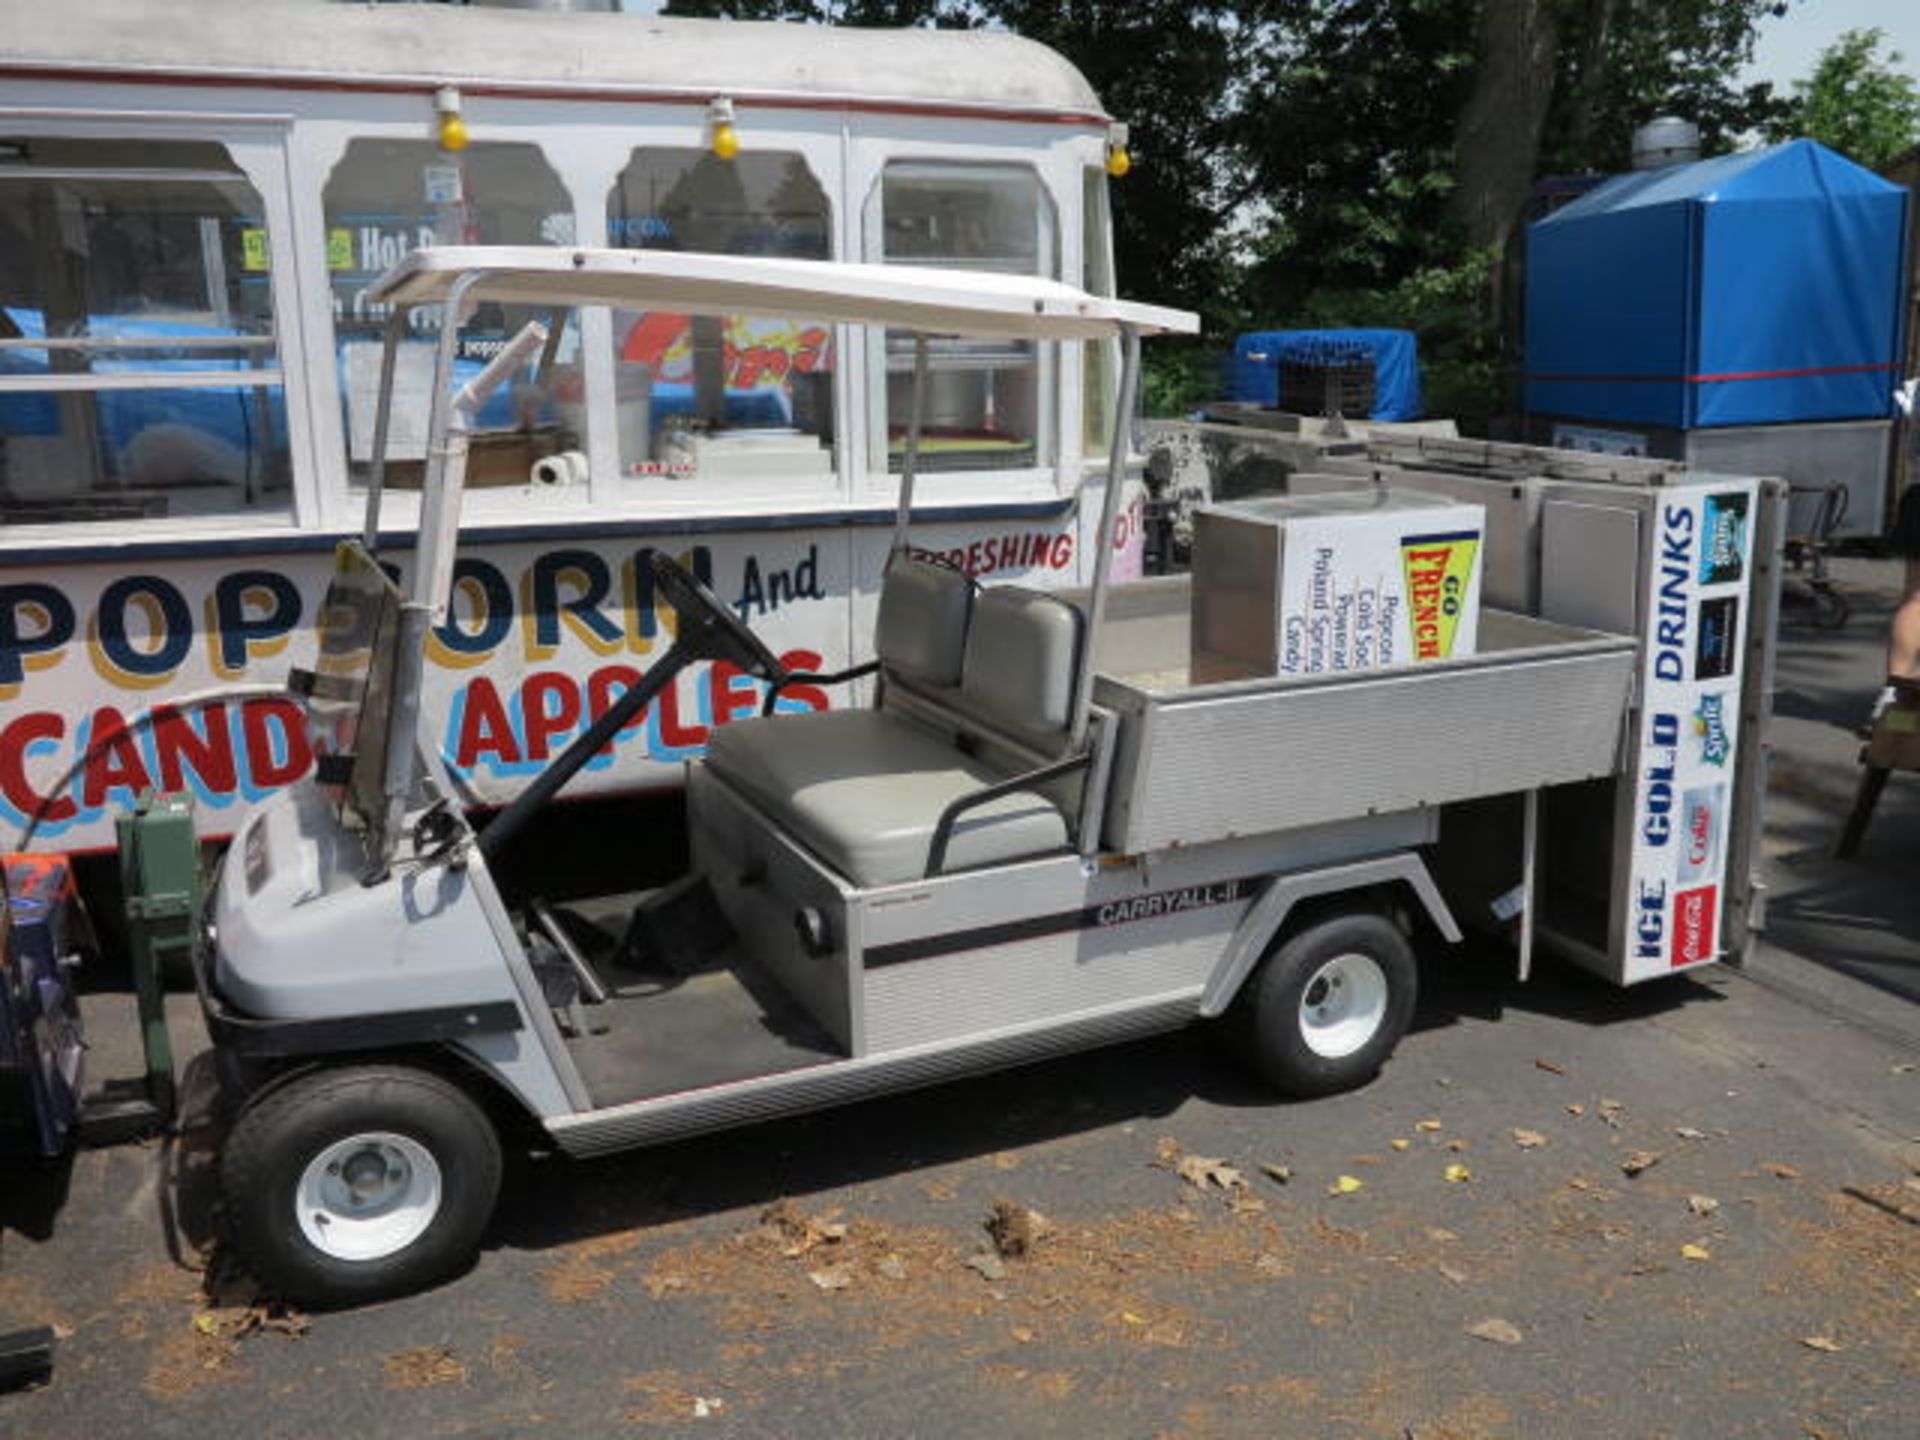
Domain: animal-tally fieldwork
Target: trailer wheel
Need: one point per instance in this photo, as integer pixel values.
(350, 1185)
(1324, 1010)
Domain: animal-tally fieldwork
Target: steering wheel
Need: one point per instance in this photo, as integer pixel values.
(707, 626)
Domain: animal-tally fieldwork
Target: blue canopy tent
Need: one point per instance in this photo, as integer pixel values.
(1253, 370)
(1751, 289)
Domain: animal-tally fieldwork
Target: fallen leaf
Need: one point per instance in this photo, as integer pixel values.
(705, 1407)
(1638, 1161)
(1458, 1174)
(1346, 1185)
(1279, 1174)
(1611, 1111)
(1821, 1342)
(1549, 1067)
(1241, 1203)
(1695, 1252)
(1456, 1146)
(1702, 1204)
(1687, 1132)
(834, 1277)
(1201, 1171)
(1268, 1264)
(207, 1323)
(1133, 1319)
(1023, 1335)
(1364, 1160)
(1904, 1068)
(1458, 1277)
(891, 1266)
(1014, 1229)
(1399, 1143)
(1426, 1124)
(1779, 1171)
(1444, 1237)
(1500, 1332)
(423, 1366)
(1166, 1152)
(796, 1233)
(1004, 1160)
(1529, 1139)
(990, 1265)
(1576, 1109)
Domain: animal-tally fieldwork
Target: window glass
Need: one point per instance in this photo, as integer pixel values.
(139, 369)
(387, 198)
(1102, 356)
(738, 396)
(988, 402)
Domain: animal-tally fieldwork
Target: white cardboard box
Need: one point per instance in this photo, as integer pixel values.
(1315, 584)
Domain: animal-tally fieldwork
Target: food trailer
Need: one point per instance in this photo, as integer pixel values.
(195, 205)
(1043, 834)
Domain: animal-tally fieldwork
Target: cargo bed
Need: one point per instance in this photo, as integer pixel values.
(1540, 704)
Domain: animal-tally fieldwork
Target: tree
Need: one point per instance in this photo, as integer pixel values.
(1855, 102)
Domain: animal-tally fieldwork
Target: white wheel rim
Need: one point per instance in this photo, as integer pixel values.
(368, 1196)
(1343, 1005)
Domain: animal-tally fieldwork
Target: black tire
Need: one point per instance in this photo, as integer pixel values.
(277, 1137)
(1268, 1024)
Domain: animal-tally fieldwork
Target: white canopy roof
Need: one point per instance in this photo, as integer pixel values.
(939, 301)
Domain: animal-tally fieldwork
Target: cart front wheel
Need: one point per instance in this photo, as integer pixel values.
(358, 1184)
(1324, 1010)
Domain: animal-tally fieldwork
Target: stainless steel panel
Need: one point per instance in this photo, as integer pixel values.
(1854, 455)
(760, 879)
(1590, 566)
(1306, 749)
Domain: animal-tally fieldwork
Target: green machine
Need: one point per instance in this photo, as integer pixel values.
(160, 878)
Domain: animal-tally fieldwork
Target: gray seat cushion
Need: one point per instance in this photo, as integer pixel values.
(864, 789)
(921, 632)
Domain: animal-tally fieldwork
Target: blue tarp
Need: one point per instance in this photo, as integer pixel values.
(1750, 289)
(1253, 370)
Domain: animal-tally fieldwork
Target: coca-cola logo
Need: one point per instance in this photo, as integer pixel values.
(1694, 913)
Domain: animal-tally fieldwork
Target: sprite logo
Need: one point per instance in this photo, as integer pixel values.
(1710, 725)
(1439, 571)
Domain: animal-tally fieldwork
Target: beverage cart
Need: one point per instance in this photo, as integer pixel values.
(1041, 834)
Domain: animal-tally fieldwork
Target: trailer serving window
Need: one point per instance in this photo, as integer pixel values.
(733, 397)
(139, 364)
(989, 403)
(388, 197)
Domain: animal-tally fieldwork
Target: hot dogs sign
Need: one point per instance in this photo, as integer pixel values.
(1690, 719)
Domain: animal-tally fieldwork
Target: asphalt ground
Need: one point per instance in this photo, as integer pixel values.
(1758, 1276)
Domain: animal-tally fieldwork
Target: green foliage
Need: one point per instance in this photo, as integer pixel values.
(1180, 377)
(1294, 158)
(1856, 102)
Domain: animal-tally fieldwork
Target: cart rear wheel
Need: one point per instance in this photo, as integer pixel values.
(357, 1184)
(1324, 1010)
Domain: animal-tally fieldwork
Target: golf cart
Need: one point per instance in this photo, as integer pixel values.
(1041, 835)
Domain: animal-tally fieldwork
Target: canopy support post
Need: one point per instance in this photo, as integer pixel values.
(1103, 537)
(909, 462)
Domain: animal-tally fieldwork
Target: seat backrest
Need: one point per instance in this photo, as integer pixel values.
(1022, 658)
(925, 610)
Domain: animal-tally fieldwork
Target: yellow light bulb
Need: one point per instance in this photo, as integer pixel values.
(726, 140)
(453, 132)
(1119, 162)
